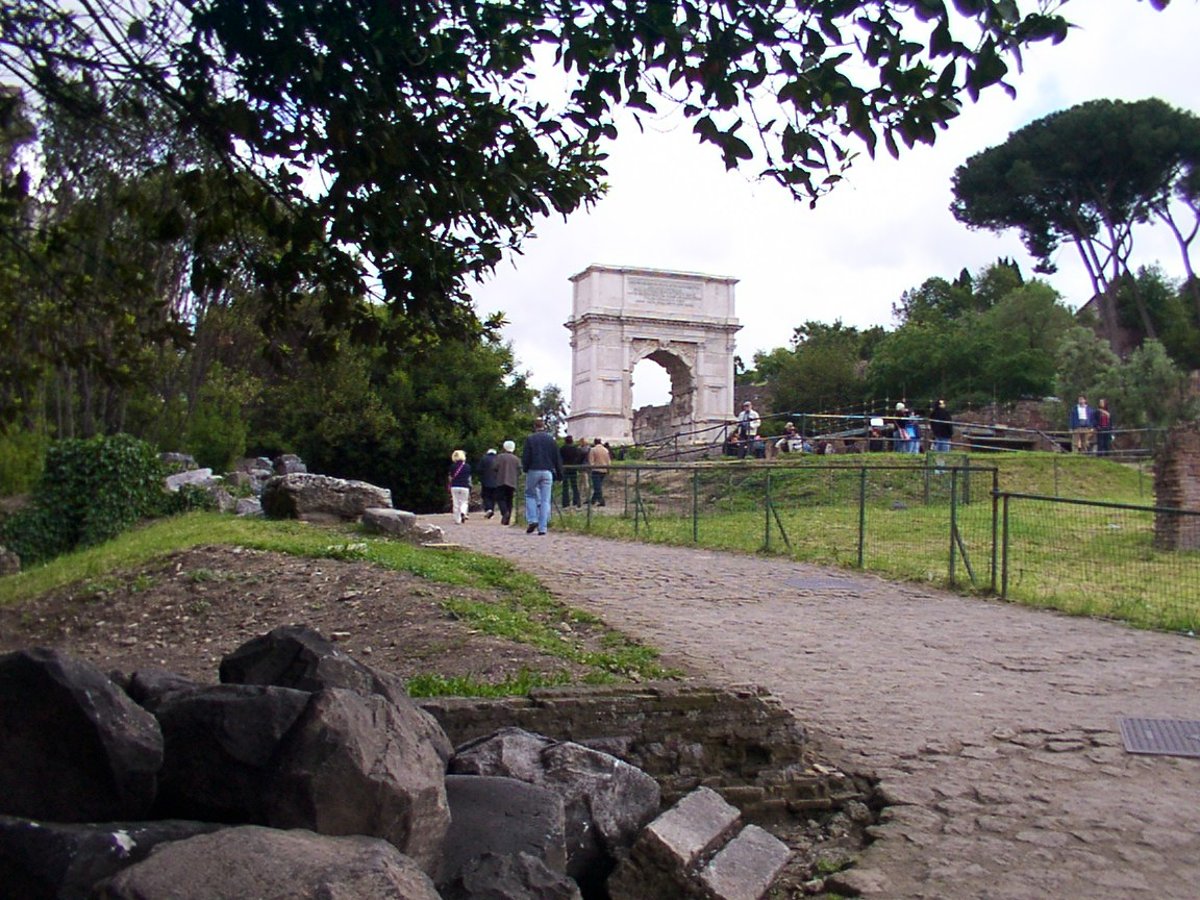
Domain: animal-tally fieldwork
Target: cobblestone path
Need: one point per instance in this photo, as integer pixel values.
(993, 727)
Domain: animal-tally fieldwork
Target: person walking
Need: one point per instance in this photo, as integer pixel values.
(572, 455)
(599, 459)
(487, 482)
(459, 482)
(507, 468)
(539, 459)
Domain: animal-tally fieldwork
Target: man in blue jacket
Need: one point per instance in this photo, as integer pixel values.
(1083, 424)
(541, 463)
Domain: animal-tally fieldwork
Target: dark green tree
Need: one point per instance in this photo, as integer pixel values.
(1087, 175)
(551, 407)
(824, 371)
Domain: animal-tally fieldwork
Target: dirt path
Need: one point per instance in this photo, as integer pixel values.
(994, 728)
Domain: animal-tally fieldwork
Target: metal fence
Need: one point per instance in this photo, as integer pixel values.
(938, 519)
(1105, 559)
(929, 519)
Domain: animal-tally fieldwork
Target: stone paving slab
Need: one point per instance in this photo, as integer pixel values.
(993, 727)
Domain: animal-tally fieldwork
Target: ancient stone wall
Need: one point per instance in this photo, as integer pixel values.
(740, 742)
(1177, 486)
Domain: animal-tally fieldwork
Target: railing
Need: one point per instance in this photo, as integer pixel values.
(857, 430)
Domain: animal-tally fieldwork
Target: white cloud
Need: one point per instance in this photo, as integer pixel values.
(672, 205)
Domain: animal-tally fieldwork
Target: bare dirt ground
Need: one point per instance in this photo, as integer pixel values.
(185, 612)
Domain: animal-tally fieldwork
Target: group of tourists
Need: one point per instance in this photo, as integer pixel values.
(1091, 424)
(902, 433)
(543, 463)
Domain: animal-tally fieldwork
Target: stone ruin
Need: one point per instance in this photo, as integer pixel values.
(307, 773)
(1177, 486)
(285, 489)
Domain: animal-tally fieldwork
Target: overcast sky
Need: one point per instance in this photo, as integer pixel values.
(671, 205)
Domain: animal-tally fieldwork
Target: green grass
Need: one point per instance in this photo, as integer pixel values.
(524, 611)
(1078, 559)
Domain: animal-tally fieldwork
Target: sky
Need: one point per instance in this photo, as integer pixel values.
(887, 228)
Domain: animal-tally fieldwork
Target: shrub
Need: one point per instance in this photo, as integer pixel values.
(21, 454)
(90, 491)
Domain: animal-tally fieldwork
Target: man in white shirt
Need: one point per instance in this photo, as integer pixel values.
(748, 422)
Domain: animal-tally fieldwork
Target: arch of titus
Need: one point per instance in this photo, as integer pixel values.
(681, 320)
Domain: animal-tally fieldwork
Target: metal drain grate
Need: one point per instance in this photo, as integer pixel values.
(1167, 737)
(817, 583)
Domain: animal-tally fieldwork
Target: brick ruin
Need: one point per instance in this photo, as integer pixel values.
(1177, 486)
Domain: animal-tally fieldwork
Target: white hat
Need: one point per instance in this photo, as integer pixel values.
(899, 406)
(509, 446)
(491, 449)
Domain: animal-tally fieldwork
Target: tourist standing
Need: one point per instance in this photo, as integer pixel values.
(459, 482)
(1082, 422)
(572, 455)
(941, 426)
(1104, 428)
(599, 459)
(539, 459)
(507, 469)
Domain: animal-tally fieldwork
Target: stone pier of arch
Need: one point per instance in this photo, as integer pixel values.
(683, 321)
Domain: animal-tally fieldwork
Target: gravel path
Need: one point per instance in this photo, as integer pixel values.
(994, 728)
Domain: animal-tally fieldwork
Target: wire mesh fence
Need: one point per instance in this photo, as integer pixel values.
(931, 519)
(938, 519)
(1140, 564)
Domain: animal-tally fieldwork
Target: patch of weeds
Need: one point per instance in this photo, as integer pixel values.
(433, 685)
(98, 587)
(620, 658)
(828, 865)
(349, 551)
(141, 582)
(201, 575)
(199, 607)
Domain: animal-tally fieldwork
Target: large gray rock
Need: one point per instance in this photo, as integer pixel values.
(59, 861)
(295, 656)
(402, 524)
(220, 746)
(607, 801)
(73, 746)
(196, 477)
(288, 464)
(352, 765)
(265, 864)
(148, 687)
(320, 498)
(503, 877)
(502, 817)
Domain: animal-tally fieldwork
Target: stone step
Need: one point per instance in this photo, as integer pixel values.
(745, 867)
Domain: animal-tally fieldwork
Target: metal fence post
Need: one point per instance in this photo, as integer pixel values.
(695, 506)
(995, 524)
(767, 511)
(862, 512)
(637, 498)
(1004, 554)
(953, 518)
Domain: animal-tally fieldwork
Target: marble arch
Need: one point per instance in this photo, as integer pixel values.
(681, 320)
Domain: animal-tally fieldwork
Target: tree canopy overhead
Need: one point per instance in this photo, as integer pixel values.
(398, 149)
